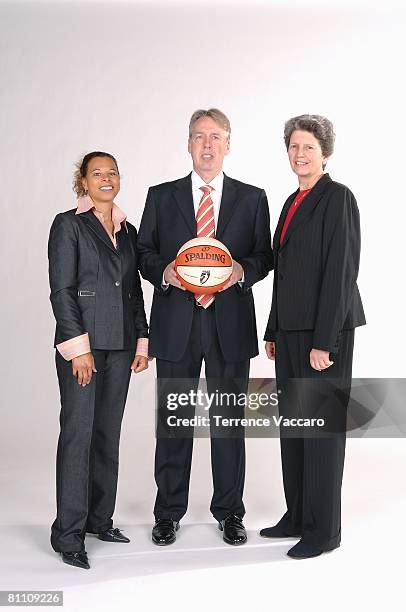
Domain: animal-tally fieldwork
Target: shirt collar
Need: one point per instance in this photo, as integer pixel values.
(85, 203)
(216, 183)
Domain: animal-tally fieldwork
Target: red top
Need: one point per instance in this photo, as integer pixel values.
(292, 209)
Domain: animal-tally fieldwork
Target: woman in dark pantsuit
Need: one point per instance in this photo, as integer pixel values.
(101, 336)
(310, 334)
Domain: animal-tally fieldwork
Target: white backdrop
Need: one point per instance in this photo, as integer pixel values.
(125, 78)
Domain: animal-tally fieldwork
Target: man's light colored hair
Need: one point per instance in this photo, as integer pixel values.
(214, 113)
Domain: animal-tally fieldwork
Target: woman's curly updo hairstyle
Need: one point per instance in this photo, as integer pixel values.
(81, 170)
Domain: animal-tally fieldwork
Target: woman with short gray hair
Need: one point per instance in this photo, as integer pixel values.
(310, 334)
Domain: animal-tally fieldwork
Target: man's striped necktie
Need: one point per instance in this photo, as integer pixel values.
(205, 228)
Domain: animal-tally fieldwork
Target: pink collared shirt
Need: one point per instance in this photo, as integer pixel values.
(118, 216)
(79, 345)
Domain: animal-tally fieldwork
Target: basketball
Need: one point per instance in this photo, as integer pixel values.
(203, 265)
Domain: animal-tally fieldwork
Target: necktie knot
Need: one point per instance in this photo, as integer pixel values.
(206, 189)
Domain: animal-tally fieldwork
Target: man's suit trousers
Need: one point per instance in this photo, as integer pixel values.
(174, 453)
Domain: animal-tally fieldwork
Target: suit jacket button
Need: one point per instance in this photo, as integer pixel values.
(117, 283)
(280, 276)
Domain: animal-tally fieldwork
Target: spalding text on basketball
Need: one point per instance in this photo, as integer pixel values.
(205, 256)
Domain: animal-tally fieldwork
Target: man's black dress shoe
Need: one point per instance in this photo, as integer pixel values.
(164, 531)
(113, 535)
(78, 559)
(301, 550)
(233, 530)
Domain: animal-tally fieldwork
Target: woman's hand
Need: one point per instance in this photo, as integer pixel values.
(270, 350)
(83, 368)
(320, 360)
(139, 364)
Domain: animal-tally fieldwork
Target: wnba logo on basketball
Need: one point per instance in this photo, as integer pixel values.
(204, 277)
(203, 262)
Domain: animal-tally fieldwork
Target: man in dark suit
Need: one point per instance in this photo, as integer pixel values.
(185, 330)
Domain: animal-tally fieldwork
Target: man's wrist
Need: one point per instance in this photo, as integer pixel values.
(164, 284)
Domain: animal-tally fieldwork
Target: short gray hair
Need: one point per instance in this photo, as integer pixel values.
(214, 113)
(319, 126)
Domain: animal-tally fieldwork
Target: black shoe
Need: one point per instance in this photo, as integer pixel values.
(113, 535)
(78, 559)
(278, 532)
(164, 531)
(283, 529)
(304, 551)
(233, 530)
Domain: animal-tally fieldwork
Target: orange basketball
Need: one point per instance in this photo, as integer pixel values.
(203, 265)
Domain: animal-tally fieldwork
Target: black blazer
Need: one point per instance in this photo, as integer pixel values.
(317, 266)
(243, 226)
(95, 288)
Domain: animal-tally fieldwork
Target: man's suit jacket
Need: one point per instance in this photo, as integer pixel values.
(243, 226)
(95, 287)
(317, 266)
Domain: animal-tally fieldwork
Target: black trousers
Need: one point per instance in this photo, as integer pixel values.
(88, 447)
(313, 466)
(173, 455)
